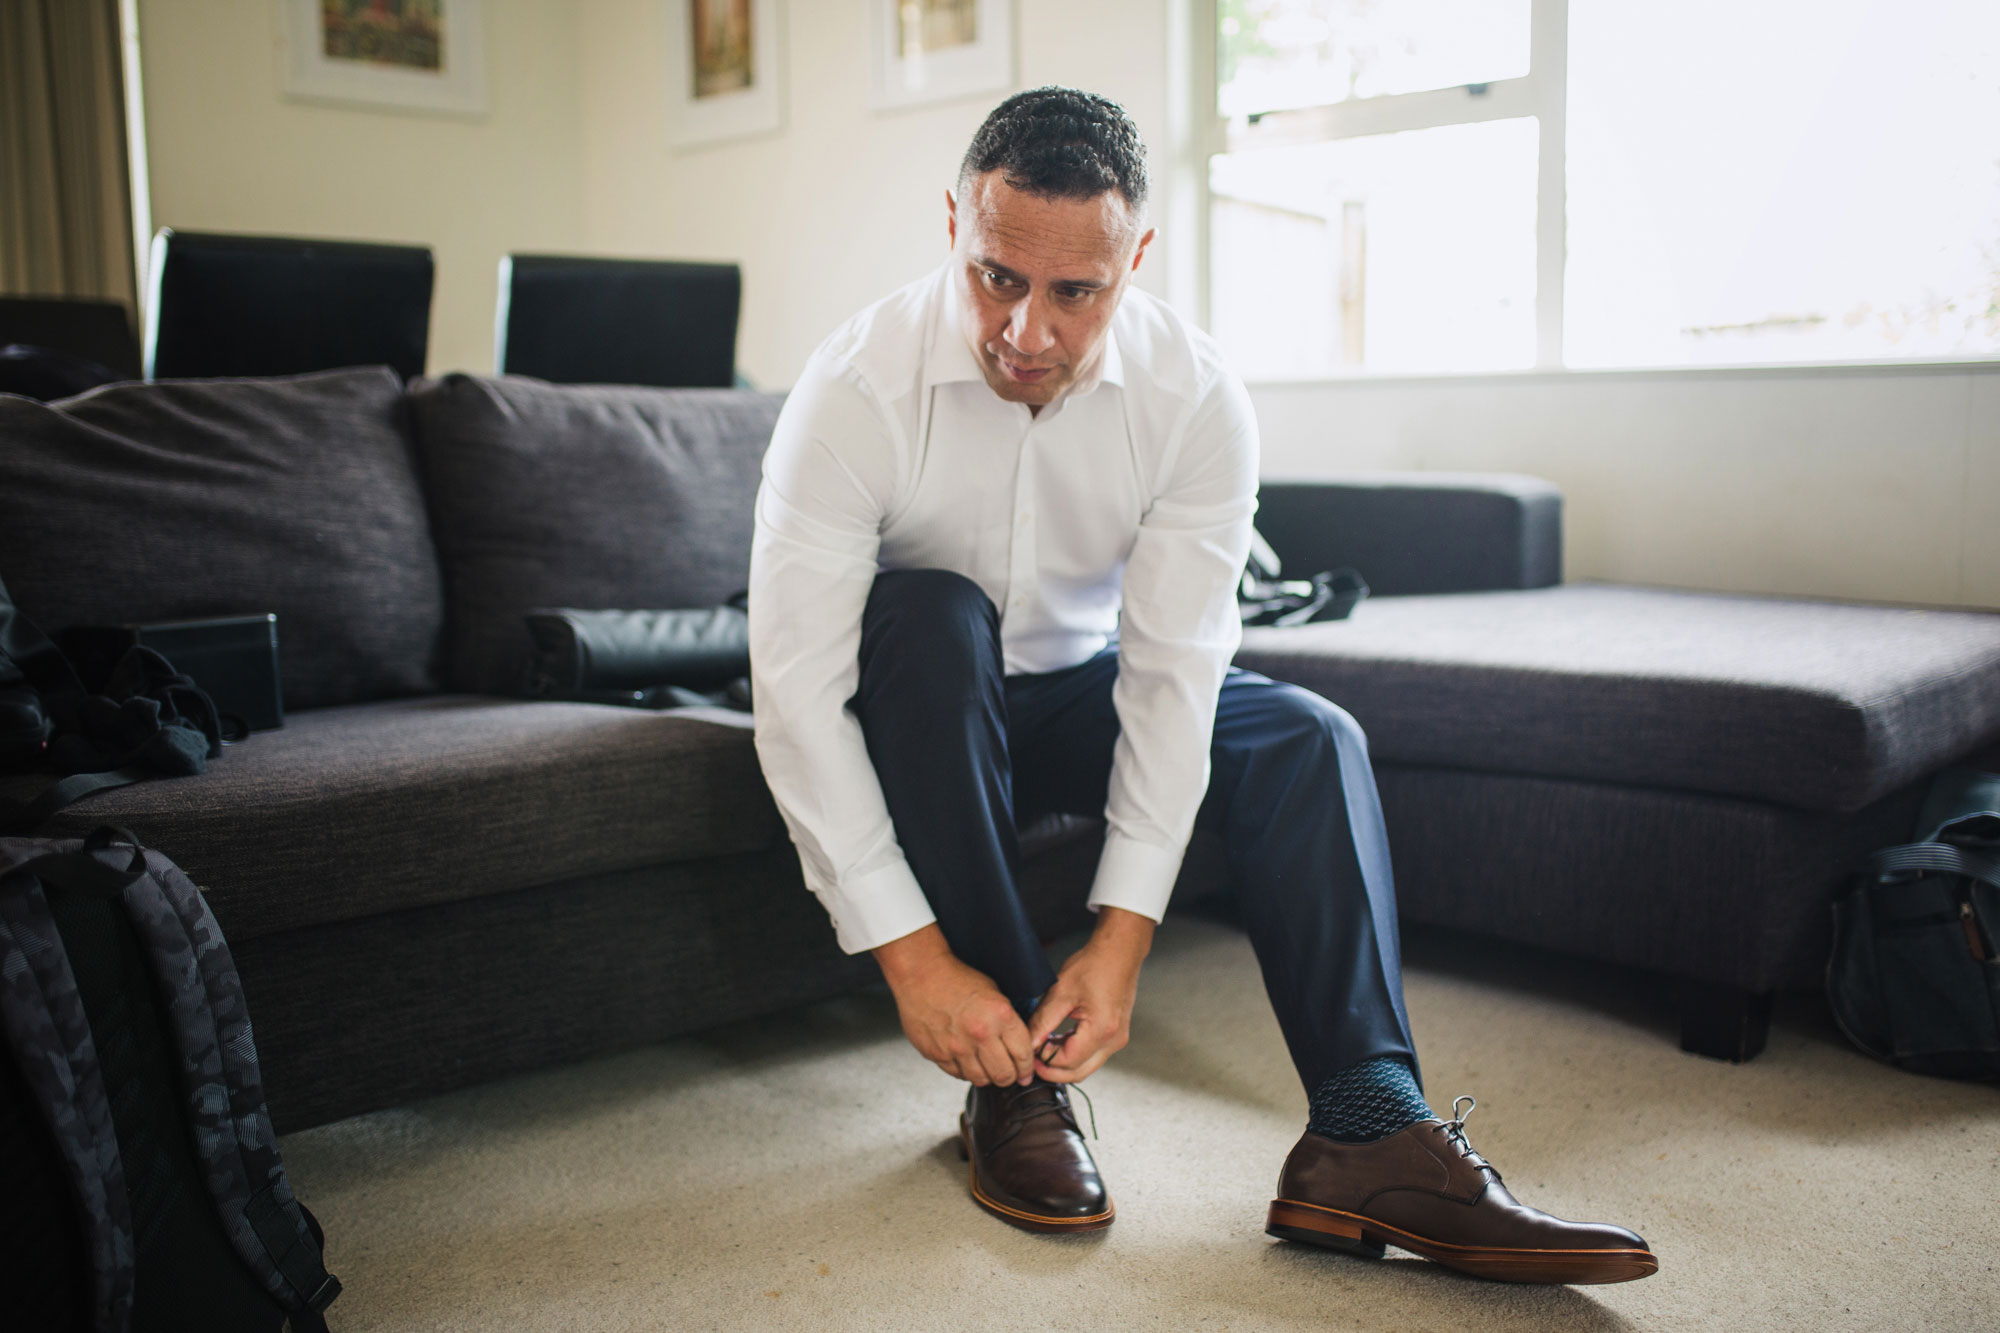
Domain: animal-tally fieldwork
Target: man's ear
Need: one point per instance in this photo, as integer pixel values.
(1144, 241)
(950, 218)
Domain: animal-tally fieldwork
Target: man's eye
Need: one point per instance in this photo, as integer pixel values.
(1074, 293)
(998, 279)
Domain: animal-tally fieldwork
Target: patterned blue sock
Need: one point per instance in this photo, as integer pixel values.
(1367, 1101)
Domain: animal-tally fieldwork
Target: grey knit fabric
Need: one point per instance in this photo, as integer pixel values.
(1714, 889)
(198, 498)
(584, 496)
(381, 1010)
(380, 807)
(1815, 705)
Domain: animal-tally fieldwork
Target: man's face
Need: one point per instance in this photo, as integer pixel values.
(1038, 281)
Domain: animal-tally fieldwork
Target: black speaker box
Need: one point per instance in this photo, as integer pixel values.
(234, 659)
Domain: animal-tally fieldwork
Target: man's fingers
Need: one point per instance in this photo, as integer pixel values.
(1076, 1074)
(1014, 1040)
(1056, 1005)
(1082, 1071)
(1056, 1034)
(995, 1064)
(1078, 1057)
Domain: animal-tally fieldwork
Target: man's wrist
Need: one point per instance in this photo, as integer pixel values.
(1130, 933)
(910, 956)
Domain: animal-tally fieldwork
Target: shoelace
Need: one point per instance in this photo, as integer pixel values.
(1454, 1129)
(1031, 1104)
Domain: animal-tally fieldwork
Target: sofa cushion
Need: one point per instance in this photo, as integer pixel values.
(585, 496)
(348, 812)
(1816, 705)
(1418, 532)
(195, 498)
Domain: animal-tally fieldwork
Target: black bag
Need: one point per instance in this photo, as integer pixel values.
(1266, 599)
(154, 1196)
(645, 659)
(1913, 979)
(140, 718)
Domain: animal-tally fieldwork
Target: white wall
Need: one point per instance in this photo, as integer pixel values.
(1873, 483)
(845, 204)
(229, 153)
(1869, 483)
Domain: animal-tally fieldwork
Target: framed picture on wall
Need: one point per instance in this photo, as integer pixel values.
(932, 50)
(412, 55)
(724, 70)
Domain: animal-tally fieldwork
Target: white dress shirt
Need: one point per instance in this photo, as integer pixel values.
(1121, 512)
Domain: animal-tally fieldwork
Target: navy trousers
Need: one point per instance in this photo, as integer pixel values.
(966, 753)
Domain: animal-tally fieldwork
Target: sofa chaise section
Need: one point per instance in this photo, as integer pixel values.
(1671, 780)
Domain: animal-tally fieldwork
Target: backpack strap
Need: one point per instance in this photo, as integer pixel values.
(1935, 858)
(236, 1141)
(42, 1019)
(18, 816)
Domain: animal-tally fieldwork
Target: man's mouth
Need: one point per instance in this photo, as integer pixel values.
(1025, 374)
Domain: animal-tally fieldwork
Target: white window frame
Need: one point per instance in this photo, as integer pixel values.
(1541, 93)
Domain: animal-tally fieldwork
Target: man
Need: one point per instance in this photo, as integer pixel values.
(1002, 522)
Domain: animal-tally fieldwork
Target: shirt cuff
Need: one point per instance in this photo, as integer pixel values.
(882, 905)
(1136, 876)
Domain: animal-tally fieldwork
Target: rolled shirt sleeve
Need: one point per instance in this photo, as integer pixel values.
(1177, 633)
(830, 475)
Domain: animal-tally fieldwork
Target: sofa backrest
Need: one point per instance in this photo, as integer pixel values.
(546, 495)
(196, 498)
(1418, 532)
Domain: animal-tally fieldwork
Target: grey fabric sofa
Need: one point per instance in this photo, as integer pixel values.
(427, 883)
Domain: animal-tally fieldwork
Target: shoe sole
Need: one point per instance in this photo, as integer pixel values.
(1349, 1233)
(1014, 1216)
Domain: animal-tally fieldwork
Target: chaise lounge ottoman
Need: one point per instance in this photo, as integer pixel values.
(1672, 780)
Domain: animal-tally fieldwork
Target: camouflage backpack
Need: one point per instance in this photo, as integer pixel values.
(145, 1189)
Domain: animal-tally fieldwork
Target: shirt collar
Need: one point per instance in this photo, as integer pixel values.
(949, 360)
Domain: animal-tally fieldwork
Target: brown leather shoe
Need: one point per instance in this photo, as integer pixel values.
(1029, 1163)
(1425, 1190)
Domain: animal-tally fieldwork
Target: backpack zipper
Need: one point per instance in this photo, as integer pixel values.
(1973, 940)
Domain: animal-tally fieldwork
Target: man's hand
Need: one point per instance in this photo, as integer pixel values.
(1096, 987)
(953, 1014)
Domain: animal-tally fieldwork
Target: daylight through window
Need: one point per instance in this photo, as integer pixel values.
(1466, 185)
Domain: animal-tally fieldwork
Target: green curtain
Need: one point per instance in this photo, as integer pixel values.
(65, 188)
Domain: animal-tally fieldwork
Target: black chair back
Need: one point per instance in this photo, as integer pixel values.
(96, 331)
(618, 321)
(271, 305)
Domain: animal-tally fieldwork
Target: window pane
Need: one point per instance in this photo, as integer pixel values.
(1275, 55)
(1794, 180)
(1395, 252)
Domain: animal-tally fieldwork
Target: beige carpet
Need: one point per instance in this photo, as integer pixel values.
(798, 1173)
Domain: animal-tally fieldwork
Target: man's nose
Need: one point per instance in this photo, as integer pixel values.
(1029, 329)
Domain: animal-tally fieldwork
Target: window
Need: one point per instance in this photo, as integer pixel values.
(1791, 180)
(1283, 56)
(1464, 185)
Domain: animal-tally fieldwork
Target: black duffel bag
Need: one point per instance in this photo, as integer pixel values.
(642, 659)
(1913, 979)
